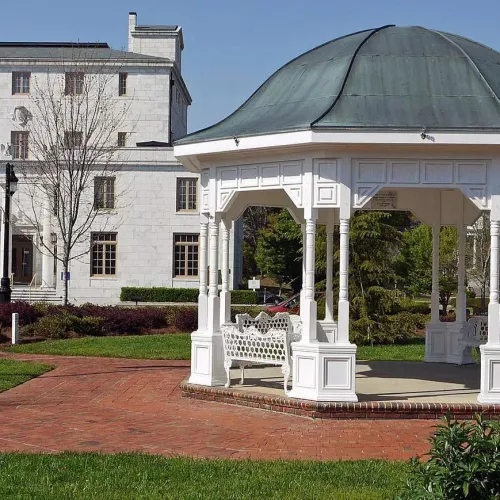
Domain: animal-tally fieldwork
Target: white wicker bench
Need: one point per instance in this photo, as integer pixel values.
(475, 334)
(263, 339)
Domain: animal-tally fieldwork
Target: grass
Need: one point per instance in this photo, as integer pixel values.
(136, 476)
(172, 346)
(14, 372)
(406, 352)
(178, 346)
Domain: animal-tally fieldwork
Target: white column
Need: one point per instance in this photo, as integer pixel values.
(304, 250)
(202, 297)
(213, 323)
(493, 307)
(490, 353)
(329, 272)
(225, 295)
(343, 315)
(308, 309)
(47, 258)
(207, 356)
(460, 311)
(435, 275)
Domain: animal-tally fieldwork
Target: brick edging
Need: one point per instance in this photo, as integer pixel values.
(335, 410)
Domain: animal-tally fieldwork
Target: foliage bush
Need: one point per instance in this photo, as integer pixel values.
(183, 319)
(387, 329)
(27, 313)
(244, 297)
(464, 462)
(56, 326)
(160, 294)
(412, 306)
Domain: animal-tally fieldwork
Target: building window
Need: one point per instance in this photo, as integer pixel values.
(104, 192)
(122, 84)
(122, 139)
(103, 254)
(187, 195)
(73, 83)
(19, 148)
(186, 255)
(21, 82)
(73, 140)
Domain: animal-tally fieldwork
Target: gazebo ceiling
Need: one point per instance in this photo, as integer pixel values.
(389, 78)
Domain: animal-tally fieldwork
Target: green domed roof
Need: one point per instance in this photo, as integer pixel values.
(390, 78)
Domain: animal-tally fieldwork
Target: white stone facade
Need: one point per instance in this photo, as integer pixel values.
(145, 219)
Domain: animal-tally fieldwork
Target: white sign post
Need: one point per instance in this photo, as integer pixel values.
(254, 284)
(15, 328)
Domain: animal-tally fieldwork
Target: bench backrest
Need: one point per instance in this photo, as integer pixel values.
(263, 322)
(252, 345)
(477, 329)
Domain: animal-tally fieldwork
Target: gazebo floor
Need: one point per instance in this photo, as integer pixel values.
(386, 389)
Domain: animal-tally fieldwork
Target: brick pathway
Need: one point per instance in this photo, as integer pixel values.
(114, 405)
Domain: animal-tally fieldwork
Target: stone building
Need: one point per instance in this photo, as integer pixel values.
(155, 224)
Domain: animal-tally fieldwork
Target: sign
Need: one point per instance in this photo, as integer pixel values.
(65, 278)
(254, 284)
(385, 200)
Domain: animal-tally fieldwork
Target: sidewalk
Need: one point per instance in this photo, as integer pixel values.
(121, 405)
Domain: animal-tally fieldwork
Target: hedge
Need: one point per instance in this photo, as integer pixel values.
(163, 294)
(160, 294)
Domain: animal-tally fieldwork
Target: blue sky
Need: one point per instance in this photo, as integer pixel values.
(231, 47)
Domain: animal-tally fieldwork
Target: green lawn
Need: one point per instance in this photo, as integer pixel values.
(132, 476)
(172, 346)
(14, 372)
(178, 346)
(407, 352)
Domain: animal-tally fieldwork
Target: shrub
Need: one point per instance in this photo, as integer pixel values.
(396, 328)
(56, 326)
(244, 297)
(183, 319)
(464, 463)
(412, 306)
(160, 294)
(27, 313)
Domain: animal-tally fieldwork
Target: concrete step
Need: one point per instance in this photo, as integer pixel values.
(23, 293)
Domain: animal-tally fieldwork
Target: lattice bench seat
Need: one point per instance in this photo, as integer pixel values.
(264, 340)
(475, 333)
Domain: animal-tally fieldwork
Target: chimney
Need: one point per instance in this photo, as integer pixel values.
(132, 23)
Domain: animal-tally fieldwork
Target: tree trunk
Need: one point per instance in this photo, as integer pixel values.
(66, 281)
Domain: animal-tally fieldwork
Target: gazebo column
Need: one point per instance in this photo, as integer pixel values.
(327, 331)
(324, 371)
(303, 287)
(207, 364)
(490, 353)
(456, 330)
(225, 294)
(436, 332)
(436, 232)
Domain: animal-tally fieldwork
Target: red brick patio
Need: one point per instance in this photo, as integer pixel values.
(117, 405)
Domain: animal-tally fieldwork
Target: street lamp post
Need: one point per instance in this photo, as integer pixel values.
(10, 188)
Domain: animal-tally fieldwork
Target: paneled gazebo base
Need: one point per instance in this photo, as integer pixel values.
(207, 359)
(386, 389)
(490, 374)
(442, 344)
(324, 372)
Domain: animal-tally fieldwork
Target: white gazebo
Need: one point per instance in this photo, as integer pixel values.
(395, 118)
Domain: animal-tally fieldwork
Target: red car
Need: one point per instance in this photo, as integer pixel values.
(291, 305)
